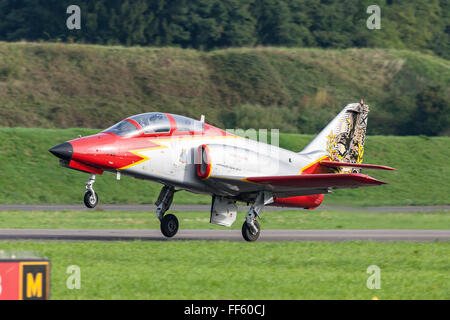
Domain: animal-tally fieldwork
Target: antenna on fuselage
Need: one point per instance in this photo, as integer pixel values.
(202, 118)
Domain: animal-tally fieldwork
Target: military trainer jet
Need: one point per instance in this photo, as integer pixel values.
(186, 154)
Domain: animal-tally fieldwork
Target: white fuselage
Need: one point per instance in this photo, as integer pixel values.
(174, 160)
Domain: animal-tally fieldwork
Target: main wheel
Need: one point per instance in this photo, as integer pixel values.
(169, 225)
(89, 200)
(247, 234)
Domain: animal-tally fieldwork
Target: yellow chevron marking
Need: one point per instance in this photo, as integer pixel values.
(161, 146)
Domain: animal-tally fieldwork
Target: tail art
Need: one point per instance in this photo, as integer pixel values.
(343, 138)
(346, 144)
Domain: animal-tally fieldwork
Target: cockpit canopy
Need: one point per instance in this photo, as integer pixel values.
(154, 122)
(185, 124)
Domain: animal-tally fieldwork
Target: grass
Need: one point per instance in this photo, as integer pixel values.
(95, 86)
(29, 174)
(300, 219)
(224, 270)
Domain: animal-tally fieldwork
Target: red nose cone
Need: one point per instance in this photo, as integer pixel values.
(98, 150)
(107, 151)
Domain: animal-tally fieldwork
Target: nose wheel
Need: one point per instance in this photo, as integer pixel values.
(90, 199)
(90, 196)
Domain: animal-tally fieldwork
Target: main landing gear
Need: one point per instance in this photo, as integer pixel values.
(90, 196)
(169, 222)
(250, 228)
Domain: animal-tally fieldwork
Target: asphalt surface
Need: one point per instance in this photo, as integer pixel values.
(223, 235)
(219, 235)
(196, 207)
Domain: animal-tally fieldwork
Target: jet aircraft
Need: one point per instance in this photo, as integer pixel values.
(187, 154)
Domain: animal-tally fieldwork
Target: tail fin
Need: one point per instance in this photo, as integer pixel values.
(343, 138)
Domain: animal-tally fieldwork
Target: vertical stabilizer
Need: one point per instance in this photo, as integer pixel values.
(343, 138)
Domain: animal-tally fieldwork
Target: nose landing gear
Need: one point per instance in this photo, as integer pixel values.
(90, 196)
(169, 222)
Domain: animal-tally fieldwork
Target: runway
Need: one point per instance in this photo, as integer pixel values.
(222, 235)
(218, 235)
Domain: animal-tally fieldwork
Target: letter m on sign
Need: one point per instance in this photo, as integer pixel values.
(34, 285)
(35, 280)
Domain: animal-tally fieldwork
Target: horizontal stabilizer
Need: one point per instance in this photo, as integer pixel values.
(316, 181)
(354, 165)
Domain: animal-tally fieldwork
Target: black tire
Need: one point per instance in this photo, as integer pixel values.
(89, 200)
(248, 236)
(169, 225)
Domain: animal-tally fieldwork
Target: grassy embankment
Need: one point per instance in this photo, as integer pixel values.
(298, 90)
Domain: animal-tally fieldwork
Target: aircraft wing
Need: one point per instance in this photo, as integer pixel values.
(293, 185)
(326, 180)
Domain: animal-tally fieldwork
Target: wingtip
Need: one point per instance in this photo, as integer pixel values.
(370, 180)
(381, 182)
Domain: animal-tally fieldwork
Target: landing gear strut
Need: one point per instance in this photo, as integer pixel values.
(169, 222)
(90, 196)
(250, 228)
